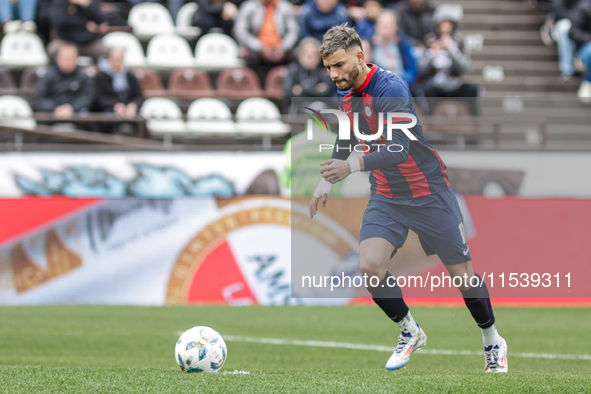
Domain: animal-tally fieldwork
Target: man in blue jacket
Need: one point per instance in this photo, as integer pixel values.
(392, 49)
(317, 16)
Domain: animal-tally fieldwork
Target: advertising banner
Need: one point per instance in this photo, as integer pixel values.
(238, 251)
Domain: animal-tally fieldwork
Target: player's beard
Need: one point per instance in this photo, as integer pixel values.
(350, 78)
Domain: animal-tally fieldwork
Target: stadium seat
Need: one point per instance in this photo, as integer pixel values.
(274, 83)
(163, 116)
(150, 82)
(453, 109)
(210, 116)
(150, 19)
(259, 116)
(239, 83)
(30, 78)
(183, 21)
(16, 112)
(134, 54)
(217, 51)
(21, 49)
(169, 51)
(7, 85)
(190, 83)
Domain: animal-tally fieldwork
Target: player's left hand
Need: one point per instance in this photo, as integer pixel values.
(335, 170)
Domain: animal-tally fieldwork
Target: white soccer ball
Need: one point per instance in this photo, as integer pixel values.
(200, 349)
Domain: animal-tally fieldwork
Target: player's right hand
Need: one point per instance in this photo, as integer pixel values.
(322, 191)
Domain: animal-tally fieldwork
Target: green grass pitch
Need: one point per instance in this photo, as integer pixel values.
(100, 349)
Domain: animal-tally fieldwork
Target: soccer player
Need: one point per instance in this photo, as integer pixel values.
(409, 190)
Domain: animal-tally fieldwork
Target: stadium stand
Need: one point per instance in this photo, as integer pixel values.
(217, 51)
(29, 79)
(169, 50)
(239, 83)
(16, 112)
(7, 85)
(19, 50)
(150, 82)
(149, 19)
(209, 116)
(134, 54)
(163, 116)
(190, 83)
(257, 116)
(183, 21)
(274, 83)
(509, 61)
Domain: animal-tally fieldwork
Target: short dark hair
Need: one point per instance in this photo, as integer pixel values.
(339, 37)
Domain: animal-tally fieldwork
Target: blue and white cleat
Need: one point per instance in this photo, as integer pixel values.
(407, 345)
(495, 358)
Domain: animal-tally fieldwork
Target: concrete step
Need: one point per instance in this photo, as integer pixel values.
(502, 22)
(497, 8)
(501, 52)
(527, 84)
(513, 68)
(493, 37)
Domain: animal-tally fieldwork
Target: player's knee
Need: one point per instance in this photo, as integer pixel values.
(372, 265)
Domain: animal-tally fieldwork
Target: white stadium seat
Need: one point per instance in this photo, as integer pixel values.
(163, 116)
(169, 51)
(150, 19)
(134, 54)
(259, 116)
(15, 111)
(210, 116)
(216, 51)
(22, 50)
(183, 21)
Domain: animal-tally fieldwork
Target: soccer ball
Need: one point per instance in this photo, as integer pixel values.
(200, 349)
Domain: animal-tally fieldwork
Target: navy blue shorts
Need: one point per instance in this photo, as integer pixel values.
(435, 218)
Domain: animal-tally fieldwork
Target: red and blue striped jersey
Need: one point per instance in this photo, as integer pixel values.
(415, 171)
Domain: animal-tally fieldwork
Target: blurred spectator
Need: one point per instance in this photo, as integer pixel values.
(446, 60)
(65, 89)
(354, 9)
(317, 16)
(416, 20)
(80, 22)
(219, 14)
(18, 15)
(392, 49)
(268, 32)
(367, 51)
(556, 29)
(366, 26)
(307, 77)
(580, 33)
(43, 20)
(117, 90)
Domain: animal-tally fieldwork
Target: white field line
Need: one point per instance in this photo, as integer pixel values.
(380, 348)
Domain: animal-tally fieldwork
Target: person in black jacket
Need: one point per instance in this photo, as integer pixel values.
(117, 90)
(80, 22)
(219, 14)
(415, 20)
(580, 33)
(65, 89)
(307, 77)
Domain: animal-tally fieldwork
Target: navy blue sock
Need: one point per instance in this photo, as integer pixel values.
(389, 298)
(477, 300)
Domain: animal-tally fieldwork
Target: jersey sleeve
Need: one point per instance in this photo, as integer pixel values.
(393, 96)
